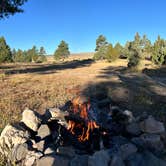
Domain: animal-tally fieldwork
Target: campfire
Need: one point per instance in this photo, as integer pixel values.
(87, 122)
(91, 129)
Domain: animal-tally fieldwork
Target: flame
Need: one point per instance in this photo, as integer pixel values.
(82, 109)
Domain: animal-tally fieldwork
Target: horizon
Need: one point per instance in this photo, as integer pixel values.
(80, 23)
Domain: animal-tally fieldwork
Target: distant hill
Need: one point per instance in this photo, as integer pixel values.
(75, 56)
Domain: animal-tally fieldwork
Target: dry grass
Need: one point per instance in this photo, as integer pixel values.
(50, 87)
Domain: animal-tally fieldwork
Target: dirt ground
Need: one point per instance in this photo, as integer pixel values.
(39, 86)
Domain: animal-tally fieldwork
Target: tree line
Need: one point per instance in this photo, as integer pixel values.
(136, 50)
(31, 55)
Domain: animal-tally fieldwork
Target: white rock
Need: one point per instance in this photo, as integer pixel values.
(12, 136)
(31, 119)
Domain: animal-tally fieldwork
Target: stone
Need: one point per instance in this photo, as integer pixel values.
(152, 126)
(99, 158)
(52, 160)
(119, 140)
(133, 129)
(145, 158)
(30, 161)
(152, 160)
(19, 152)
(43, 131)
(56, 114)
(41, 145)
(127, 150)
(31, 119)
(66, 151)
(152, 142)
(130, 116)
(135, 159)
(79, 160)
(116, 161)
(11, 136)
(32, 157)
(163, 138)
(49, 151)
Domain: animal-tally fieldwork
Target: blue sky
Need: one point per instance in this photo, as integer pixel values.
(79, 22)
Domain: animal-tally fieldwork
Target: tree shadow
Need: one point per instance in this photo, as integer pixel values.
(50, 68)
(112, 70)
(134, 91)
(158, 74)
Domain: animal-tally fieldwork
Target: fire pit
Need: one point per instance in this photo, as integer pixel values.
(85, 131)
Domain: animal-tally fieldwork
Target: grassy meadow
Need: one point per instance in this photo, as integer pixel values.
(39, 86)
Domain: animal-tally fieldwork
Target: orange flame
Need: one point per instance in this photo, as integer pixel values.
(82, 109)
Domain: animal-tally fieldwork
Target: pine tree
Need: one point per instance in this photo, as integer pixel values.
(111, 54)
(19, 56)
(118, 48)
(42, 57)
(133, 56)
(62, 51)
(159, 51)
(101, 41)
(101, 53)
(10, 7)
(5, 52)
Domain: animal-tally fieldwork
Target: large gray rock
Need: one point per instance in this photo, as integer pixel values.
(127, 149)
(144, 159)
(151, 142)
(19, 152)
(133, 129)
(31, 119)
(135, 159)
(32, 157)
(56, 114)
(79, 161)
(150, 125)
(12, 135)
(116, 161)
(43, 131)
(99, 158)
(52, 160)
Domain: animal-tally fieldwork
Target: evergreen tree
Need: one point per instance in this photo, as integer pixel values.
(159, 51)
(42, 51)
(62, 51)
(19, 56)
(118, 48)
(5, 53)
(101, 53)
(10, 7)
(34, 54)
(42, 57)
(133, 56)
(111, 53)
(100, 42)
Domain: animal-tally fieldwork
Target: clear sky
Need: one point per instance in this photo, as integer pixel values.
(79, 22)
